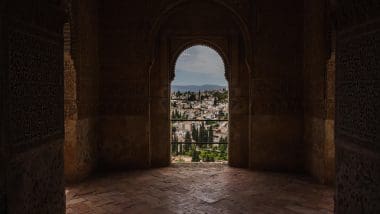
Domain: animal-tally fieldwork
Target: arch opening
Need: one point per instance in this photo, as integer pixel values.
(199, 106)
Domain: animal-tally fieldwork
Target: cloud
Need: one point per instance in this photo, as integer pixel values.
(200, 59)
(199, 65)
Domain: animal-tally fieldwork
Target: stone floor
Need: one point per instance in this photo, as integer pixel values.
(199, 188)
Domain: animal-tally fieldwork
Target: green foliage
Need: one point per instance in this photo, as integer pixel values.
(210, 135)
(223, 149)
(177, 115)
(174, 145)
(192, 97)
(187, 137)
(194, 133)
(220, 97)
(187, 141)
(200, 132)
(195, 155)
(208, 156)
(210, 123)
(203, 135)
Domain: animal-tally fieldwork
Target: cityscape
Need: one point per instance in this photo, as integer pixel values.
(199, 124)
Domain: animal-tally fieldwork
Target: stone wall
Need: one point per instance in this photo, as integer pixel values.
(357, 106)
(2, 124)
(135, 77)
(319, 98)
(277, 85)
(136, 62)
(217, 27)
(124, 86)
(81, 89)
(32, 131)
(2, 181)
(117, 73)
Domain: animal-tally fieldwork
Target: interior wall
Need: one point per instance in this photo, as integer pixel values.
(134, 86)
(2, 187)
(128, 129)
(31, 61)
(277, 85)
(2, 124)
(2, 178)
(357, 104)
(319, 96)
(124, 86)
(81, 89)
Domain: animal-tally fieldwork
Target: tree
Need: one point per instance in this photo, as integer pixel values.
(207, 156)
(195, 155)
(192, 97)
(223, 144)
(203, 134)
(187, 141)
(176, 115)
(194, 133)
(174, 144)
(223, 149)
(215, 102)
(210, 135)
(221, 96)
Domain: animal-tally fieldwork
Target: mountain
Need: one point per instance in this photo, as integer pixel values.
(196, 88)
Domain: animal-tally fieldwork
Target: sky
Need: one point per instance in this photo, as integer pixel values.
(199, 65)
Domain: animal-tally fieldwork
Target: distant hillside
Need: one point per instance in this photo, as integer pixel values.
(196, 88)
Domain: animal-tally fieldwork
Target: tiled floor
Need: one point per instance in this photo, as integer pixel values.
(199, 188)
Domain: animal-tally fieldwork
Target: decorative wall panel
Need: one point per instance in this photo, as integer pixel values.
(35, 88)
(32, 106)
(357, 105)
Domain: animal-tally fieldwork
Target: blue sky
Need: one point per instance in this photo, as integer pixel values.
(199, 65)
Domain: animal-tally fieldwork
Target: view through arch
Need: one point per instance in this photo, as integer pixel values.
(199, 107)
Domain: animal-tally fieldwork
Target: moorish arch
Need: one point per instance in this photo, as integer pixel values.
(230, 44)
(233, 9)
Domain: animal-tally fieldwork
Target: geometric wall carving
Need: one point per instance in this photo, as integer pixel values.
(35, 88)
(357, 106)
(358, 88)
(31, 60)
(358, 183)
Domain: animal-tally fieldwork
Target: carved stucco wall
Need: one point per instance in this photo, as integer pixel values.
(2, 124)
(81, 89)
(319, 98)
(357, 106)
(32, 106)
(2, 180)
